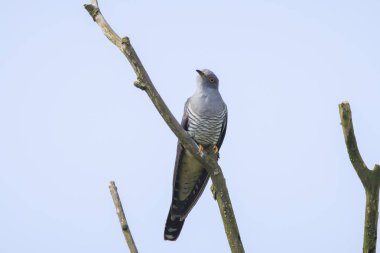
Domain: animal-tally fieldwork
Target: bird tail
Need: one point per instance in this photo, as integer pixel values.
(173, 227)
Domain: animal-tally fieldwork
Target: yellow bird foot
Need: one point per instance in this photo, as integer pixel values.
(216, 149)
(200, 149)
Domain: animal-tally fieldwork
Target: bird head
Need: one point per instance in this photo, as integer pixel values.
(207, 79)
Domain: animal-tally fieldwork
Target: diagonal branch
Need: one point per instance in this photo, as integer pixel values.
(123, 221)
(208, 161)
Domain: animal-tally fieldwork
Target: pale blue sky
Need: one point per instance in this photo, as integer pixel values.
(71, 121)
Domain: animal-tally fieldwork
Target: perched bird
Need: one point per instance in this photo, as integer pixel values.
(205, 119)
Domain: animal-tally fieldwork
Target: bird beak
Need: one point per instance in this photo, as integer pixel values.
(201, 73)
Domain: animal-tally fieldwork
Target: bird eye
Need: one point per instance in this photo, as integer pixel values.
(211, 80)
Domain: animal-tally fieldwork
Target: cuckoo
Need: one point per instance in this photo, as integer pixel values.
(205, 119)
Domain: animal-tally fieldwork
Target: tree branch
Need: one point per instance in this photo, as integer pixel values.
(352, 147)
(123, 221)
(208, 161)
(370, 179)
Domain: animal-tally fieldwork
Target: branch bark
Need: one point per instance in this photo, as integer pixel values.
(208, 161)
(123, 221)
(369, 178)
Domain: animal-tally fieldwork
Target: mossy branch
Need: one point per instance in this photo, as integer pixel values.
(369, 178)
(208, 161)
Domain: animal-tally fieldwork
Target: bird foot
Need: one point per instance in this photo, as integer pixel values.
(216, 149)
(200, 149)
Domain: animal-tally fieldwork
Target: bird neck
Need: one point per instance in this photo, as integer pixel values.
(205, 96)
(205, 90)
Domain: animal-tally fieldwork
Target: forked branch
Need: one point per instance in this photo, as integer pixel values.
(369, 178)
(208, 161)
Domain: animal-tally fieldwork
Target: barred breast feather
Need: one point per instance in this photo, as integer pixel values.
(206, 128)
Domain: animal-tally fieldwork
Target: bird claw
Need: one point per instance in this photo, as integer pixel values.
(216, 149)
(200, 150)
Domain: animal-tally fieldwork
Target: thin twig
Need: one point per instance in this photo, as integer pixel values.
(123, 221)
(209, 162)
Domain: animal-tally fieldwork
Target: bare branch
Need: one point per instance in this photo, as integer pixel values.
(209, 162)
(350, 139)
(95, 3)
(123, 221)
(94, 11)
(370, 179)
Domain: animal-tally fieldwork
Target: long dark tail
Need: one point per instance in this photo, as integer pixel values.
(173, 227)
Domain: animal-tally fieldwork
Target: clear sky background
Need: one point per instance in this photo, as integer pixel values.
(71, 121)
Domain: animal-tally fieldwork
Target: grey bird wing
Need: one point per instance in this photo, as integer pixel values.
(222, 131)
(189, 181)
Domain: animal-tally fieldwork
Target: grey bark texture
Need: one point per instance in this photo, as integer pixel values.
(208, 160)
(369, 178)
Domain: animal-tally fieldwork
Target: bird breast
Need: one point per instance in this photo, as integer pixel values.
(205, 125)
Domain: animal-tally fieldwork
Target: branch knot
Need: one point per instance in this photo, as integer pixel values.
(140, 84)
(92, 10)
(126, 41)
